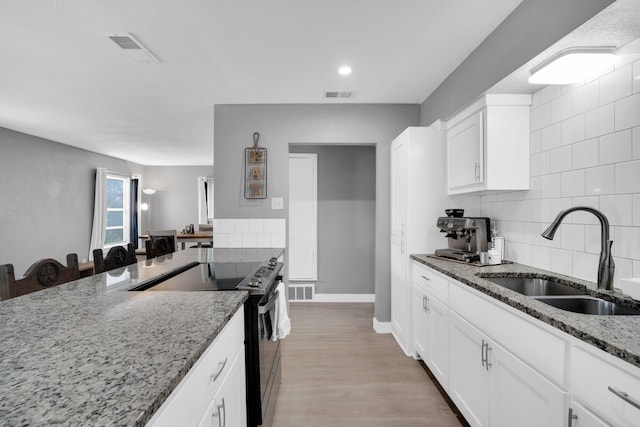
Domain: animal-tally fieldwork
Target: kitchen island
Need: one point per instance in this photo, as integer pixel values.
(90, 352)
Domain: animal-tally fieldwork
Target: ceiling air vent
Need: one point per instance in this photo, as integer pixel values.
(133, 47)
(336, 94)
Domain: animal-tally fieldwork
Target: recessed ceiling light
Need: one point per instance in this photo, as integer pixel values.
(572, 65)
(345, 70)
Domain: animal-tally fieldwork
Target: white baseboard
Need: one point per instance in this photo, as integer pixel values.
(343, 298)
(381, 327)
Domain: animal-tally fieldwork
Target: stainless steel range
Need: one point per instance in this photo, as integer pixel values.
(262, 355)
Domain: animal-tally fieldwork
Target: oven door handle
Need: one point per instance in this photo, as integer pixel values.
(264, 308)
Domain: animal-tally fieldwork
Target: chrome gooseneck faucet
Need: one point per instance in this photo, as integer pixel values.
(606, 266)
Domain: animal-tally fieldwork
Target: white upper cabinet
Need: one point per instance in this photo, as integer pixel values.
(488, 145)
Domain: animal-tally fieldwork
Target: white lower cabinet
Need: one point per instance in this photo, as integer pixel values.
(579, 416)
(607, 386)
(213, 391)
(492, 387)
(228, 407)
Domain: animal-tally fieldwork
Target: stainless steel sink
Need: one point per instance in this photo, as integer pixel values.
(535, 286)
(588, 305)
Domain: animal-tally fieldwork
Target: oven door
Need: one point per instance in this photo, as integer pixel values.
(270, 372)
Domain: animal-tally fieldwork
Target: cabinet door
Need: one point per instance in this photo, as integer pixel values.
(581, 417)
(228, 407)
(398, 291)
(437, 358)
(420, 322)
(468, 376)
(519, 396)
(465, 152)
(399, 185)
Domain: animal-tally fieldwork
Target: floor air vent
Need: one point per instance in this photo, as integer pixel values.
(301, 292)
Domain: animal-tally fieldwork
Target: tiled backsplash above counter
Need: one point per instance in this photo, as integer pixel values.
(584, 151)
(249, 233)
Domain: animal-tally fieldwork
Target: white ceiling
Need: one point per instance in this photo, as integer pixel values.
(62, 79)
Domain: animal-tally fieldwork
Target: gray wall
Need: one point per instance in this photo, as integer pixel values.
(175, 203)
(280, 125)
(528, 30)
(46, 198)
(346, 217)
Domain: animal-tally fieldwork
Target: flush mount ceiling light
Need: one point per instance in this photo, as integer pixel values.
(148, 191)
(345, 70)
(572, 65)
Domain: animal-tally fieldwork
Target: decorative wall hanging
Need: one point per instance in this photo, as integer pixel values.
(255, 171)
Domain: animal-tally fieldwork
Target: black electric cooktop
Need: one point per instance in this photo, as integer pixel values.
(214, 276)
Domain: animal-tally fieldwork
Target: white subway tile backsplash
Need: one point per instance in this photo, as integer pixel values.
(540, 117)
(220, 240)
(278, 240)
(618, 209)
(234, 240)
(282, 226)
(223, 226)
(573, 130)
(551, 137)
(249, 240)
(534, 142)
(531, 233)
(624, 270)
(616, 85)
(636, 268)
(627, 177)
(524, 254)
(551, 92)
(572, 183)
(256, 226)
(561, 261)
(561, 108)
(541, 210)
(592, 239)
(586, 98)
(600, 180)
(627, 242)
(541, 257)
(615, 147)
(585, 154)
(585, 266)
(561, 159)
(535, 99)
(636, 212)
(635, 143)
(271, 226)
(581, 217)
(550, 186)
(572, 236)
(263, 240)
(540, 163)
(242, 226)
(627, 112)
(599, 121)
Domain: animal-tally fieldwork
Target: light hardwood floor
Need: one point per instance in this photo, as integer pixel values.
(336, 371)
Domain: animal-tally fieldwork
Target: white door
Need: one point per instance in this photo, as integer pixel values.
(303, 217)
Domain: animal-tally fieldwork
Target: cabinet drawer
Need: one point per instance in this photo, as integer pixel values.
(431, 281)
(593, 373)
(536, 347)
(191, 398)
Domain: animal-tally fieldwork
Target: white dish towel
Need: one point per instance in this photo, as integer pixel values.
(281, 321)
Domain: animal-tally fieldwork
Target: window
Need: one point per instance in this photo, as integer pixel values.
(117, 229)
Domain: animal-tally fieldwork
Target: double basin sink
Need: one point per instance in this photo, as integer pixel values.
(562, 296)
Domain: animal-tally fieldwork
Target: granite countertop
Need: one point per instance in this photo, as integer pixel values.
(91, 353)
(617, 335)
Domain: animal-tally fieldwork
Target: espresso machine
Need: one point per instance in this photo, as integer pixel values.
(467, 237)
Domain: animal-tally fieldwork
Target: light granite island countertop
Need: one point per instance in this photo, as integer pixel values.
(617, 335)
(90, 353)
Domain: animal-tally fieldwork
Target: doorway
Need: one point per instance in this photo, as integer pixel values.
(345, 223)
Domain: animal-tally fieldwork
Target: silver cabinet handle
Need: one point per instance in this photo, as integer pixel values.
(426, 278)
(484, 352)
(624, 396)
(221, 414)
(221, 366)
(572, 417)
(424, 303)
(426, 306)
